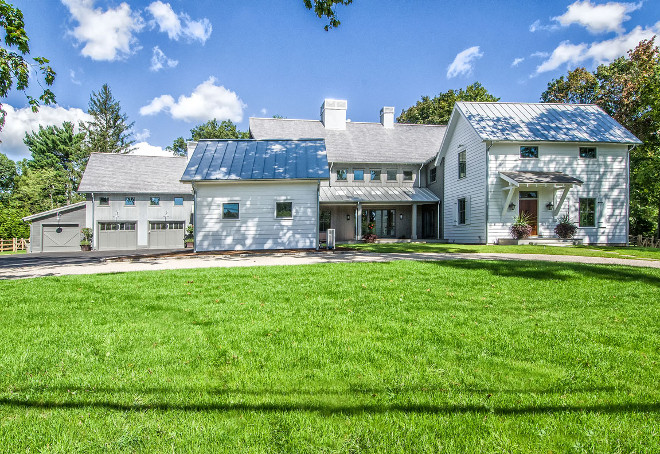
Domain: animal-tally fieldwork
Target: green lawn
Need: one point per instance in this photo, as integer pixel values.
(455, 356)
(10, 252)
(588, 251)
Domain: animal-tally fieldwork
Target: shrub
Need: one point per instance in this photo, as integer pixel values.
(369, 237)
(521, 228)
(87, 235)
(565, 229)
(190, 233)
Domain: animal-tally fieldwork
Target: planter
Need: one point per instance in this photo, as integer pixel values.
(190, 244)
(369, 238)
(86, 247)
(520, 232)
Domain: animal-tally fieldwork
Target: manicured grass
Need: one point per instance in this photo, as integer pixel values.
(10, 252)
(456, 356)
(585, 251)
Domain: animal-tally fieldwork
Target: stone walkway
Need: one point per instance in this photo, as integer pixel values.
(288, 258)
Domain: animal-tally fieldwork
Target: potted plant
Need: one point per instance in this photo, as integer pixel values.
(521, 228)
(566, 228)
(86, 240)
(189, 238)
(370, 236)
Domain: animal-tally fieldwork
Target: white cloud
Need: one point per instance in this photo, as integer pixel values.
(462, 64)
(142, 135)
(20, 121)
(597, 52)
(207, 101)
(517, 61)
(536, 26)
(540, 54)
(178, 25)
(146, 149)
(159, 60)
(607, 17)
(105, 35)
(264, 111)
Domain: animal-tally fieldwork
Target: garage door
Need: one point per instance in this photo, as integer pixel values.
(60, 238)
(117, 236)
(166, 235)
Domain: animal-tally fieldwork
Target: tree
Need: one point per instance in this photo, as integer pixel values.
(209, 130)
(39, 190)
(326, 8)
(7, 175)
(579, 87)
(437, 111)
(14, 67)
(61, 149)
(109, 130)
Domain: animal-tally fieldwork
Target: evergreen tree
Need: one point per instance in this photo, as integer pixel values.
(109, 130)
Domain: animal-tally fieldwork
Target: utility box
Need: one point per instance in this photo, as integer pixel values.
(330, 241)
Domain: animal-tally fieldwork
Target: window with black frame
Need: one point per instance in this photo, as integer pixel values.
(587, 212)
(230, 211)
(462, 164)
(529, 152)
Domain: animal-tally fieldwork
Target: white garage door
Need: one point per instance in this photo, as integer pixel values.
(166, 235)
(60, 238)
(117, 236)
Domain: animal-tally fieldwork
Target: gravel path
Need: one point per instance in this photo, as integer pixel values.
(289, 258)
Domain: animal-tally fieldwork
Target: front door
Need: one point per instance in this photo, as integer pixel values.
(380, 222)
(531, 208)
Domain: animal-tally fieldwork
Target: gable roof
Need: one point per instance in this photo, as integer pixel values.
(63, 209)
(232, 159)
(359, 142)
(544, 122)
(134, 174)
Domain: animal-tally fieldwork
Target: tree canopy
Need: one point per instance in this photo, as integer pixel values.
(109, 130)
(437, 110)
(326, 8)
(209, 130)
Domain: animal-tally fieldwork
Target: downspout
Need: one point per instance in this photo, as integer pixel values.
(330, 176)
(94, 241)
(628, 196)
(487, 177)
(194, 217)
(419, 176)
(318, 212)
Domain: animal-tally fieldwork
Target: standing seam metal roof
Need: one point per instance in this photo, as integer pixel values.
(343, 194)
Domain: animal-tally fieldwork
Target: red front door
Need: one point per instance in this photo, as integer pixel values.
(531, 207)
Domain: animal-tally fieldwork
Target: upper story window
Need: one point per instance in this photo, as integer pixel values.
(529, 152)
(375, 174)
(391, 175)
(342, 174)
(129, 201)
(178, 201)
(284, 210)
(407, 175)
(587, 212)
(104, 201)
(433, 174)
(588, 152)
(358, 175)
(462, 164)
(230, 210)
(154, 201)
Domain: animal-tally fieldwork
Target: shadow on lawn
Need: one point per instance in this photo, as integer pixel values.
(554, 271)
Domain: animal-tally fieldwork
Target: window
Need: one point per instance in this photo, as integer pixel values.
(529, 152)
(528, 195)
(178, 201)
(154, 201)
(104, 201)
(391, 174)
(129, 201)
(407, 175)
(433, 174)
(358, 175)
(462, 206)
(324, 221)
(462, 164)
(341, 174)
(230, 211)
(587, 212)
(588, 152)
(284, 210)
(176, 225)
(375, 174)
(106, 226)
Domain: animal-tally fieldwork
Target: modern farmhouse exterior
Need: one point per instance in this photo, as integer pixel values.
(57, 230)
(547, 160)
(256, 194)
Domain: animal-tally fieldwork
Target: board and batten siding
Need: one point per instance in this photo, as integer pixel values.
(472, 187)
(257, 227)
(605, 179)
(367, 167)
(75, 217)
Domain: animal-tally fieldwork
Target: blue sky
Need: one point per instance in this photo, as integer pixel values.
(174, 64)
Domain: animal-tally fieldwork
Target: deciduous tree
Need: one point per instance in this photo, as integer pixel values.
(209, 130)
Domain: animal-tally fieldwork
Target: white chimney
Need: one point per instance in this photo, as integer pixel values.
(387, 117)
(190, 148)
(333, 113)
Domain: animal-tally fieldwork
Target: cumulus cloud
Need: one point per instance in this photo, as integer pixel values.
(607, 17)
(20, 121)
(159, 60)
(598, 52)
(463, 63)
(178, 25)
(517, 61)
(105, 35)
(146, 149)
(263, 111)
(207, 101)
(142, 135)
(536, 26)
(74, 79)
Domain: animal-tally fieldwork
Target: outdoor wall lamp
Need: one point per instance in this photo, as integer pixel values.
(512, 206)
(348, 217)
(549, 206)
(401, 216)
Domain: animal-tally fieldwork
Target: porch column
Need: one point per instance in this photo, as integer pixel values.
(358, 222)
(413, 234)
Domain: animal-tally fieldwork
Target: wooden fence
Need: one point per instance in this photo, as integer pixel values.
(13, 244)
(641, 241)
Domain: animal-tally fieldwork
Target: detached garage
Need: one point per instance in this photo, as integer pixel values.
(57, 230)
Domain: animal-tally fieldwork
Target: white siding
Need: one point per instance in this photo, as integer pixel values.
(605, 179)
(257, 227)
(383, 167)
(472, 187)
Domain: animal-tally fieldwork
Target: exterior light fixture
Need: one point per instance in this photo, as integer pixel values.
(401, 216)
(512, 206)
(549, 206)
(348, 217)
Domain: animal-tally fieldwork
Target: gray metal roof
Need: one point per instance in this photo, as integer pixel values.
(529, 122)
(359, 142)
(531, 177)
(345, 194)
(257, 160)
(134, 174)
(64, 209)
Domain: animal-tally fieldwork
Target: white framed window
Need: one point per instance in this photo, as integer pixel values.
(391, 175)
(462, 164)
(178, 201)
(433, 174)
(154, 201)
(231, 211)
(462, 211)
(358, 174)
(587, 212)
(529, 152)
(104, 201)
(284, 210)
(407, 175)
(342, 174)
(587, 152)
(129, 201)
(375, 174)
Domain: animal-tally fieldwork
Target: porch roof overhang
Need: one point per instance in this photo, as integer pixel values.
(536, 178)
(362, 194)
